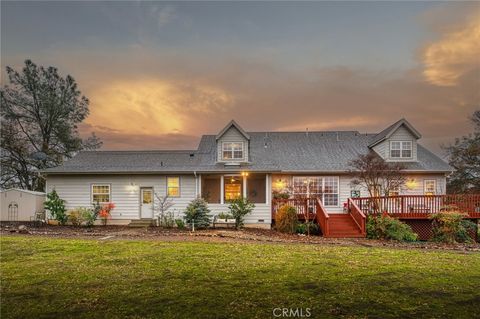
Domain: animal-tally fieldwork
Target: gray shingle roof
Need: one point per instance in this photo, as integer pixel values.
(392, 128)
(269, 151)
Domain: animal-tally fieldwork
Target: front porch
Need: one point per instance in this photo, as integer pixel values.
(415, 210)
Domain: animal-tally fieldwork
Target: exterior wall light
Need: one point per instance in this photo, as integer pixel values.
(411, 184)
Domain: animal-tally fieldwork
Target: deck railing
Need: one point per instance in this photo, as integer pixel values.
(302, 205)
(322, 217)
(416, 206)
(357, 215)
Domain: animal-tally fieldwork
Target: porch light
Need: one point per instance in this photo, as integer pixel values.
(132, 187)
(411, 184)
(280, 184)
(244, 173)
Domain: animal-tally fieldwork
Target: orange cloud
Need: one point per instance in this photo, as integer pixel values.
(152, 107)
(454, 55)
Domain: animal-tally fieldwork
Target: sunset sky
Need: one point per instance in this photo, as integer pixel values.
(158, 75)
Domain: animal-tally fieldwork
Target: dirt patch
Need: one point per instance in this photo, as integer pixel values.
(220, 235)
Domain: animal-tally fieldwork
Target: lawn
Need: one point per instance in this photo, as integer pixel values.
(65, 278)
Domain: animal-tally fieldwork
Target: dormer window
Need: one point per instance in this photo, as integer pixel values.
(232, 150)
(401, 149)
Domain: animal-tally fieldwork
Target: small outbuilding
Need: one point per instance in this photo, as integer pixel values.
(20, 204)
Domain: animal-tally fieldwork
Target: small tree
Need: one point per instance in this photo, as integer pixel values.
(161, 206)
(464, 157)
(377, 176)
(239, 208)
(286, 219)
(56, 206)
(197, 213)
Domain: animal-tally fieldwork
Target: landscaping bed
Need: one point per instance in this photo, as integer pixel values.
(221, 235)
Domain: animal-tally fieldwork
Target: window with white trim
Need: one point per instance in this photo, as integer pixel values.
(401, 149)
(173, 186)
(232, 150)
(326, 188)
(429, 187)
(100, 193)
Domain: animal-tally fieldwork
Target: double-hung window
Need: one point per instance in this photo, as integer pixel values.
(429, 187)
(173, 186)
(401, 149)
(232, 150)
(326, 188)
(100, 193)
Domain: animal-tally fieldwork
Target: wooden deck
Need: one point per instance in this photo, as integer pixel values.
(413, 209)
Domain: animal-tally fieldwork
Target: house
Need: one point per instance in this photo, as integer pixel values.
(20, 204)
(237, 163)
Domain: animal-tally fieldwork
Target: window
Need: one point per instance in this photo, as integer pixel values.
(233, 187)
(401, 149)
(211, 188)
(325, 188)
(173, 186)
(101, 193)
(256, 192)
(232, 150)
(429, 187)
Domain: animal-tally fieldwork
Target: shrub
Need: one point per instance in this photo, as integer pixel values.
(386, 227)
(197, 213)
(166, 219)
(286, 219)
(239, 208)
(180, 223)
(56, 206)
(105, 212)
(75, 217)
(307, 228)
(450, 226)
(224, 216)
(90, 214)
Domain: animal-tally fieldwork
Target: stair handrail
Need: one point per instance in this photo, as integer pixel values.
(356, 213)
(322, 217)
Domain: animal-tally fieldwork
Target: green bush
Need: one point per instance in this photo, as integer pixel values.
(166, 220)
(450, 226)
(224, 216)
(386, 227)
(286, 219)
(197, 213)
(239, 208)
(90, 215)
(180, 223)
(308, 227)
(56, 206)
(81, 215)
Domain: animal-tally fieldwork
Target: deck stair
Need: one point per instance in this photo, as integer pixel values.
(343, 226)
(144, 222)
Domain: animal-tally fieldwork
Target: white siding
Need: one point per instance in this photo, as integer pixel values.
(76, 190)
(232, 135)
(403, 134)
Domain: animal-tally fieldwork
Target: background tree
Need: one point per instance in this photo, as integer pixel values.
(377, 176)
(39, 117)
(464, 157)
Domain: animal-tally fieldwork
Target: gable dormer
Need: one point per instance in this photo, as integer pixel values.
(397, 143)
(233, 144)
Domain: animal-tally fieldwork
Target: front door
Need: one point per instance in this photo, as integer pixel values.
(146, 203)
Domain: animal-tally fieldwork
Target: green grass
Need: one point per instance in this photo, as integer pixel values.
(64, 278)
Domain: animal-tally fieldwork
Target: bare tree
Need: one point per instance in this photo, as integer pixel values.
(377, 176)
(161, 206)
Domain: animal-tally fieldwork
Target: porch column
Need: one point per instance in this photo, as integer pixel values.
(199, 186)
(222, 186)
(244, 190)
